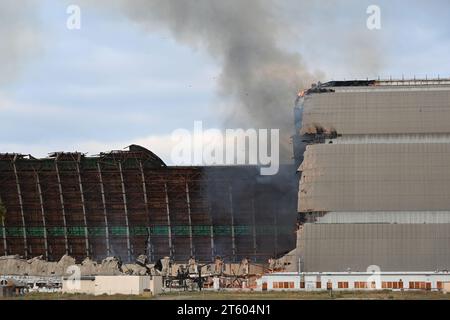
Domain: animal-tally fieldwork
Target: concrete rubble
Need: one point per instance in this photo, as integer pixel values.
(37, 266)
(14, 265)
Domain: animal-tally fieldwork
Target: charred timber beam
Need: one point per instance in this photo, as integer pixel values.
(83, 206)
(168, 219)
(5, 243)
(255, 249)
(144, 190)
(233, 236)
(44, 224)
(105, 213)
(275, 223)
(63, 208)
(213, 249)
(125, 207)
(188, 201)
(22, 213)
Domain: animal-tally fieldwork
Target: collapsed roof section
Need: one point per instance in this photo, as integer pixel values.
(134, 152)
(128, 203)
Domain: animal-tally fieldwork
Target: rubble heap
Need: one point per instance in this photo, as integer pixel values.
(37, 266)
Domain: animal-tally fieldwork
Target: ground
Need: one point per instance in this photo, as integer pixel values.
(323, 295)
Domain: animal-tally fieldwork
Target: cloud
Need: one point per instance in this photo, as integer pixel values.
(19, 37)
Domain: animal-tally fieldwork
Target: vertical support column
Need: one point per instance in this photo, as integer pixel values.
(233, 237)
(63, 208)
(213, 249)
(5, 243)
(105, 215)
(125, 206)
(41, 199)
(144, 189)
(22, 214)
(169, 224)
(188, 200)
(275, 231)
(83, 205)
(254, 226)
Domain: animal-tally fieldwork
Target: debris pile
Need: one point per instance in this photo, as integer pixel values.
(37, 266)
(190, 275)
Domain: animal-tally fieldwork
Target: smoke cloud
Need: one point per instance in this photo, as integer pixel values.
(258, 75)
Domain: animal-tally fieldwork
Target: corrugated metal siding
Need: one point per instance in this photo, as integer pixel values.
(386, 217)
(375, 177)
(382, 185)
(392, 247)
(391, 138)
(379, 111)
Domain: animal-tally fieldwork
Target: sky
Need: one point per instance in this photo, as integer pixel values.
(113, 83)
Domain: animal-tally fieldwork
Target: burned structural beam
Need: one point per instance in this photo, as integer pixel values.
(188, 202)
(231, 210)
(5, 244)
(22, 213)
(254, 226)
(169, 222)
(125, 206)
(63, 209)
(105, 211)
(211, 229)
(44, 224)
(83, 207)
(149, 250)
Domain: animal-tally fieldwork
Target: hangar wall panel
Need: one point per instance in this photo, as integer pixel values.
(375, 177)
(413, 217)
(392, 247)
(379, 111)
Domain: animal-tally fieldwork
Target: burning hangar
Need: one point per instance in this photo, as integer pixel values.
(374, 164)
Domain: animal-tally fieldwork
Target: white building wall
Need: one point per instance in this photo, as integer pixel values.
(126, 285)
(310, 280)
(81, 287)
(112, 285)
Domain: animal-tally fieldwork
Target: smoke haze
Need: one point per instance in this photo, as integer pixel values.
(261, 78)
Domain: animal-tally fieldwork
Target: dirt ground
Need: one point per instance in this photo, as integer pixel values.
(204, 295)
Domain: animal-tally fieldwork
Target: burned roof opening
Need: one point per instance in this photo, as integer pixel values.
(349, 83)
